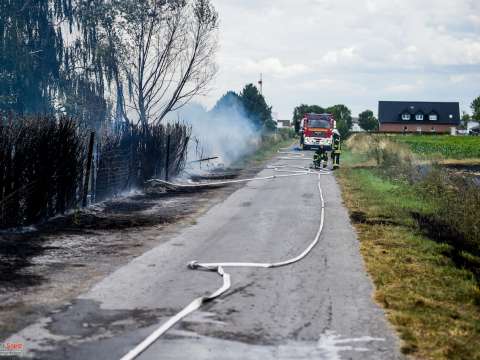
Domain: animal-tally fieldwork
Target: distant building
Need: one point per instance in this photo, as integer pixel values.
(415, 116)
(284, 124)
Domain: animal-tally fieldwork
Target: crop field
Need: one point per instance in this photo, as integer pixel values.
(450, 147)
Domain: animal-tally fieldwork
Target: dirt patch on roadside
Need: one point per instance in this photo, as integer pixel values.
(359, 217)
(41, 268)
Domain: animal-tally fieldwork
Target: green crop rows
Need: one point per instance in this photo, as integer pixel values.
(452, 147)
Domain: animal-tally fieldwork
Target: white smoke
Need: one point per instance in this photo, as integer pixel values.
(224, 132)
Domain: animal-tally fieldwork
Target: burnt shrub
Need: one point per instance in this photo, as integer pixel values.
(458, 208)
(455, 219)
(41, 168)
(133, 155)
(43, 162)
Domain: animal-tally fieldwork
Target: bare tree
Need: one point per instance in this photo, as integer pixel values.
(167, 54)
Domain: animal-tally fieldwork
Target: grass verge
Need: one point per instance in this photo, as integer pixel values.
(432, 301)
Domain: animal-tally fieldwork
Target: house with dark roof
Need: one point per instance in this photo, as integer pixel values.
(417, 116)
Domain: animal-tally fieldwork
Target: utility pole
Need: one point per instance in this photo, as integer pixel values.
(261, 84)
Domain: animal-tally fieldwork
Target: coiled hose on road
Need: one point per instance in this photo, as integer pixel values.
(219, 268)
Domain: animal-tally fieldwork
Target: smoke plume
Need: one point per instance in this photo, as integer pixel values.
(224, 132)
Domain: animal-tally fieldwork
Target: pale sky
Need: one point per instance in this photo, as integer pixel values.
(352, 52)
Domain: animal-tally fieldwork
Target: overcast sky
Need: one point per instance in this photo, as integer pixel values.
(354, 52)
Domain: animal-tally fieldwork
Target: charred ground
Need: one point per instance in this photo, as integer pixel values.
(44, 266)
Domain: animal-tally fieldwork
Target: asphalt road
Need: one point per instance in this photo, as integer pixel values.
(319, 308)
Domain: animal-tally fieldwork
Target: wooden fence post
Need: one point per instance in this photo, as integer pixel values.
(89, 168)
(167, 160)
(93, 180)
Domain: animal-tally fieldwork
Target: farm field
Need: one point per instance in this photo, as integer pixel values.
(449, 147)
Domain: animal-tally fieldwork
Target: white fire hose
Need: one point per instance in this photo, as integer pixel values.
(219, 268)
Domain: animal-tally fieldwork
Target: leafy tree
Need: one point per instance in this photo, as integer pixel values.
(343, 116)
(257, 108)
(29, 57)
(343, 129)
(228, 101)
(476, 109)
(303, 109)
(368, 121)
(41, 72)
(90, 64)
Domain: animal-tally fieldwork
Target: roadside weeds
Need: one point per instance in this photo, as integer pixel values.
(431, 297)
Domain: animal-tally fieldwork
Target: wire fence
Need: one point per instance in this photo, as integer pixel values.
(45, 164)
(134, 155)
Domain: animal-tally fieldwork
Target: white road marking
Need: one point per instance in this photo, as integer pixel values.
(331, 345)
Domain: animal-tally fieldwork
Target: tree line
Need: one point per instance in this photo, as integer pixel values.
(103, 61)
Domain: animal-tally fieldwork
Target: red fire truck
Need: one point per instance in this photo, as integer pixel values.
(316, 130)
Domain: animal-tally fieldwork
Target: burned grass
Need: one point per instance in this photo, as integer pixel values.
(359, 217)
(66, 238)
(39, 267)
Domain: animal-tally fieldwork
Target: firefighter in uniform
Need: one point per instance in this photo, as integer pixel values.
(319, 157)
(336, 150)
